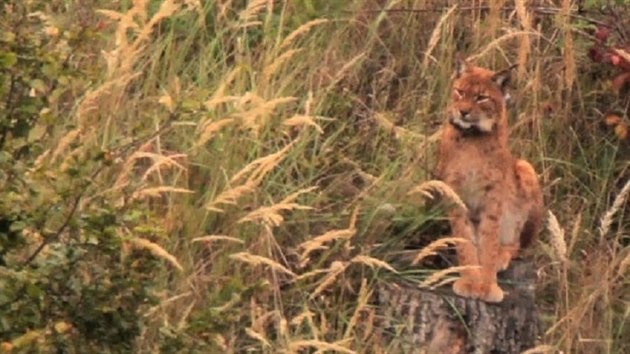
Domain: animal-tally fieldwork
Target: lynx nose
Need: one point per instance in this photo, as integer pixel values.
(465, 112)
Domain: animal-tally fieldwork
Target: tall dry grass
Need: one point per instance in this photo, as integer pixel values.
(267, 134)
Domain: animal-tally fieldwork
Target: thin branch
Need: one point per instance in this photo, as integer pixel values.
(539, 10)
(168, 125)
(61, 229)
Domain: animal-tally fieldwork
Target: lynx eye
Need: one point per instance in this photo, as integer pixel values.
(482, 98)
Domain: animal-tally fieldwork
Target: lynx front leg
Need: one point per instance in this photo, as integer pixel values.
(468, 284)
(489, 251)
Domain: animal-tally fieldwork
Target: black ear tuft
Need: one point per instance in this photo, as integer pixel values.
(503, 77)
(461, 65)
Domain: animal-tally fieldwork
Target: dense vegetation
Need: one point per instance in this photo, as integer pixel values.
(203, 176)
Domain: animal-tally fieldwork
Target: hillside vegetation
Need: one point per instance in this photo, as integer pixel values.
(218, 176)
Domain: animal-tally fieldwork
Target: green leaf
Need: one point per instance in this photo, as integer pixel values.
(7, 60)
(51, 70)
(34, 291)
(7, 37)
(17, 226)
(39, 85)
(36, 132)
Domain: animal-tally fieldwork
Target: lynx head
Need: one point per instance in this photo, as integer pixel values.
(479, 98)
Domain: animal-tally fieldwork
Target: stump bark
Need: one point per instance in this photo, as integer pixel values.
(439, 322)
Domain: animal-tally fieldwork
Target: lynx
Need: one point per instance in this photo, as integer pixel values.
(502, 193)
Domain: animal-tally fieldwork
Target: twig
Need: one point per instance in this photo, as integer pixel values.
(165, 127)
(161, 130)
(61, 229)
(539, 10)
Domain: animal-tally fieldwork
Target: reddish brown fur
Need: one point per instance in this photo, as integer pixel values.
(502, 193)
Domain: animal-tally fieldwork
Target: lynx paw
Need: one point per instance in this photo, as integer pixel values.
(492, 293)
(466, 288)
(474, 290)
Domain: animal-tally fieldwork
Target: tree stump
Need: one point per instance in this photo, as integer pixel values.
(439, 322)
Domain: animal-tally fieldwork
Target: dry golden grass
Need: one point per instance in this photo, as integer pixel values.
(257, 336)
(255, 111)
(362, 302)
(430, 249)
(318, 242)
(231, 196)
(305, 28)
(252, 10)
(399, 132)
(557, 239)
(624, 265)
(64, 144)
(439, 187)
(570, 68)
(156, 250)
(278, 62)
(159, 161)
(259, 168)
(347, 67)
(213, 238)
(436, 35)
(320, 346)
(255, 172)
(271, 215)
(525, 45)
(496, 43)
(166, 302)
(302, 120)
(437, 279)
(607, 219)
(121, 60)
(373, 262)
(255, 260)
(332, 273)
(210, 129)
(157, 192)
(575, 233)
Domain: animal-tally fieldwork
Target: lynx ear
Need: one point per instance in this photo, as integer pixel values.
(461, 65)
(503, 77)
